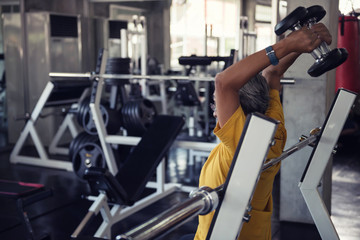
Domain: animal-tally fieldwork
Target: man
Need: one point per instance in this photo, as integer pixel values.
(240, 90)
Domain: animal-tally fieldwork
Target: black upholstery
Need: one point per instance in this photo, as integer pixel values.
(15, 190)
(101, 179)
(25, 194)
(129, 183)
(67, 91)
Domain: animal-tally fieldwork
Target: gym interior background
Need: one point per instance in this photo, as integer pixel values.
(41, 138)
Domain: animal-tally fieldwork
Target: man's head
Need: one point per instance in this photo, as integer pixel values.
(254, 95)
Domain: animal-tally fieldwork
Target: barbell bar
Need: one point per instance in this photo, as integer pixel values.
(148, 77)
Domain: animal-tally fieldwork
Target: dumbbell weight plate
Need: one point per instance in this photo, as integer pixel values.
(76, 142)
(114, 121)
(332, 60)
(137, 115)
(86, 156)
(87, 121)
(290, 20)
(82, 106)
(315, 12)
(147, 113)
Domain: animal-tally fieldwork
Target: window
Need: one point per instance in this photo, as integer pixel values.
(191, 20)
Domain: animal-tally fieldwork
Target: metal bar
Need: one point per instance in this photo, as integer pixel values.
(74, 75)
(202, 202)
(319, 160)
(83, 223)
(98, 120)
(94, 209)
(149, 77)
(24, 55)
(290, 151)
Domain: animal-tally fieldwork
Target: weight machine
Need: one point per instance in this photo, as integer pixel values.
(232, 200)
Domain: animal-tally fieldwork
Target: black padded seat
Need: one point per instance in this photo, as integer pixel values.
(25, 194)
(129, 183)
(67, 91)
(15, 190)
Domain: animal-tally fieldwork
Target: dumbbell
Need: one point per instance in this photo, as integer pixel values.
(325, 58)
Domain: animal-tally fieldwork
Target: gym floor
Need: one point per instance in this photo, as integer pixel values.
(59, 215)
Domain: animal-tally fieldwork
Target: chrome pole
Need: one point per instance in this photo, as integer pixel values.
(201, 202)
(148, 77)
(303, 143)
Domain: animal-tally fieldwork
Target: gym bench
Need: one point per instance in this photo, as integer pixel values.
(25, 194)
(125, 189)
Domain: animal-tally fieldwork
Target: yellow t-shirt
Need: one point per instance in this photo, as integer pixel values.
(216, 168)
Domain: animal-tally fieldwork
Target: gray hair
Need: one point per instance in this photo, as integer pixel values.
(254, 95)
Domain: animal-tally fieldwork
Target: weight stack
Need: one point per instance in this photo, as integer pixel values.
(348, 73)
(117, 66)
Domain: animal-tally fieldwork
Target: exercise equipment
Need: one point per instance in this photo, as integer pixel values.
(232, 200)
(85, 152)
(325, 58)
(86, 156)
(84, 116)
(348, 74)
(124, 77)
(137, 116)
(57, 92)
(111, 117)
(115, 188)
(25, 194)
(126, 187)
(194, 60)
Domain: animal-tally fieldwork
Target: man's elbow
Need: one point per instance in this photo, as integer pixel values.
(219, 81)
(270, 73)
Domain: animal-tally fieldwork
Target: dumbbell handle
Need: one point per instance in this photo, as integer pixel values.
(323, 48)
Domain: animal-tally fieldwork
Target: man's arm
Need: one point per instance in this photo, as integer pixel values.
(228, 82)
(273, 74)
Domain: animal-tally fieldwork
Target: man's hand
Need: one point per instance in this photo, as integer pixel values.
(305, 40)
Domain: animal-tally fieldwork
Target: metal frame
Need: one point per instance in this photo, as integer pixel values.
(30, 131)
(116, 213)
(319, 160)
(241, 181)
(67, 123)
(258, 133)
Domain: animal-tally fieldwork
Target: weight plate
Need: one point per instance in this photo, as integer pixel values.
(86, 156)
(291, 20)
(137, 115)
(314, 14)
(76, 142)
(82, 106)
(147, 113)
(332, 60)
(114, 121)
(87, 121)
